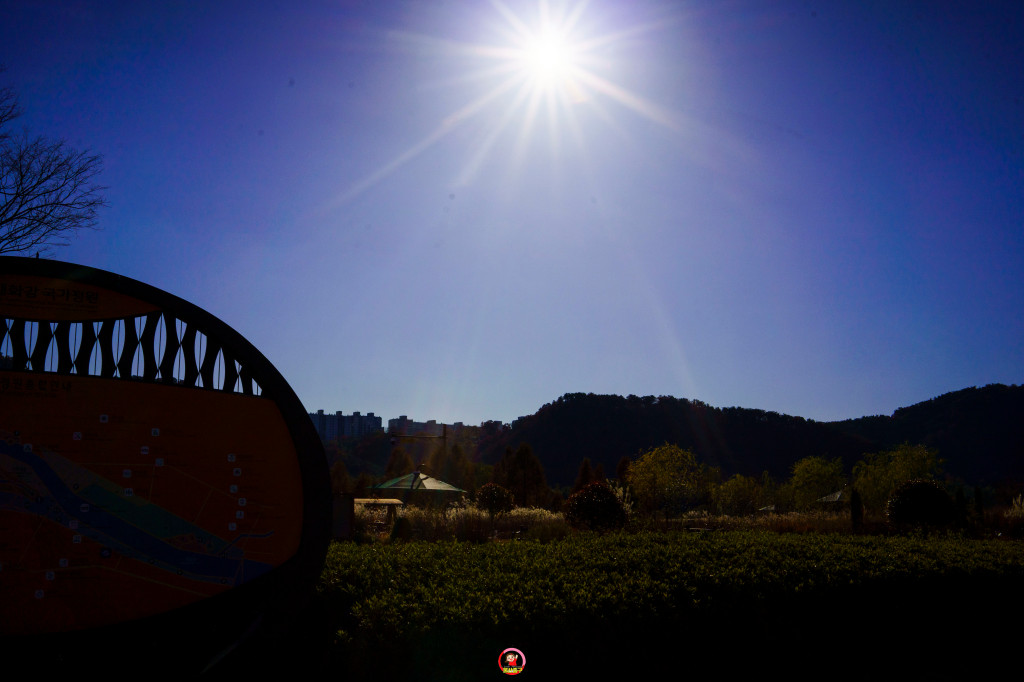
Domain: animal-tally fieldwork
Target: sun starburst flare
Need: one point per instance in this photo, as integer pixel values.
(547, 67)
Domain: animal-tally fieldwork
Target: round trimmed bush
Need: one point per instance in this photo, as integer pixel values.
(595, 506)
(494, 499)
(921, 502)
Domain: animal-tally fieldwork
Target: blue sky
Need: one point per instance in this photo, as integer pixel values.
(813, 208)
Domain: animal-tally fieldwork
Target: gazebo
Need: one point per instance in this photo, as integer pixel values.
(386, 494)
(413, 482)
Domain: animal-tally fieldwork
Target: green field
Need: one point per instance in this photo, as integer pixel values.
(747, 600)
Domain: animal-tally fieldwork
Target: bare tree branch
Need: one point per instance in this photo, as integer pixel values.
(47, 188)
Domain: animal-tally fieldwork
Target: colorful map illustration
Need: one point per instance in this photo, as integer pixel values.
(126, 500)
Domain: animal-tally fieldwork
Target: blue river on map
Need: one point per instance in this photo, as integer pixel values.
(130, 537)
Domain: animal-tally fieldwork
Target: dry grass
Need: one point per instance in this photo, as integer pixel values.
(791, 522)
(470, 524)
(467, 524)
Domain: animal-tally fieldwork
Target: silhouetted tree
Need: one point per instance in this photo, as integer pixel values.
(452, 467)
(921, 502)
(522, 473)
(669, 479)
(494, 499)
(814, 478)
(622, 470)
(879, 474)
(499, 473)
(340, 480)
(46, 187)
(584, 476)
(399, 464)
(856, 511)
(737, 496)
(595, 507)
(361, 487)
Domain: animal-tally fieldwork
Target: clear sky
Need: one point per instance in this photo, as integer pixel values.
(462, 209)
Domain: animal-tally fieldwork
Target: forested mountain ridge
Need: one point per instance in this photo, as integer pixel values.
(978, 432)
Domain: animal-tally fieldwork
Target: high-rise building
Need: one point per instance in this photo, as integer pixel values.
(334, 426)
(406, 426)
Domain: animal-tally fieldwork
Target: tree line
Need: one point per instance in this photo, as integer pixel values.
(671, 480)
(668, 480)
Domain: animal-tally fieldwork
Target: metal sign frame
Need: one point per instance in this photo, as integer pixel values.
(208, 356)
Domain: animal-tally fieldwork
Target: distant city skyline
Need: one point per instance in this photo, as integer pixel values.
(464, 210)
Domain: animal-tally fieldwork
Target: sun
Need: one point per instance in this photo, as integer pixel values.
(544, 69)
(548, 59)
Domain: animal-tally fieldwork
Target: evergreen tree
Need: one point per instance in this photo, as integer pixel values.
(499, 474)
(340, 480)
(361, 487)
(399, 464)
(622, 470)
(584, 476)
(524, 477)
(438, 464)
(856, 511)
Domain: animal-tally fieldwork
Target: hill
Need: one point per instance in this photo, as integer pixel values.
(977, 431)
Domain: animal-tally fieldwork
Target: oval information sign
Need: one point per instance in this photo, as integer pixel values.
(150, 458)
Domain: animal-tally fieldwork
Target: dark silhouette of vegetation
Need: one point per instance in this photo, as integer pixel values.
(879, 474)
(47, 191)
(585, 476)
(608, 428)
(670, 480)
(976, 430)
(361, 486)
(856, 511)
(814, 478)
(728, 595)
(595, 507)
(341, 482)
(494, 499)
(622, 469)
(399, 464)
(738, 496)
(452, 466)
(402, 530)
(522, 473)
(921, 503)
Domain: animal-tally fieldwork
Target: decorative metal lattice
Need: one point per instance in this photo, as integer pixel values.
(156, 347)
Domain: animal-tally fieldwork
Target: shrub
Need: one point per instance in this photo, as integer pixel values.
(494, 499)
(1016, 511)
(595, 506)
(547, 532)
(921, 502)
(402, 529)
(856, 511)
(624, 495)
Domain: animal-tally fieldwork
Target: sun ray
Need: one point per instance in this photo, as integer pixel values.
(632, 101)
(544, 71)
(446, 126)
